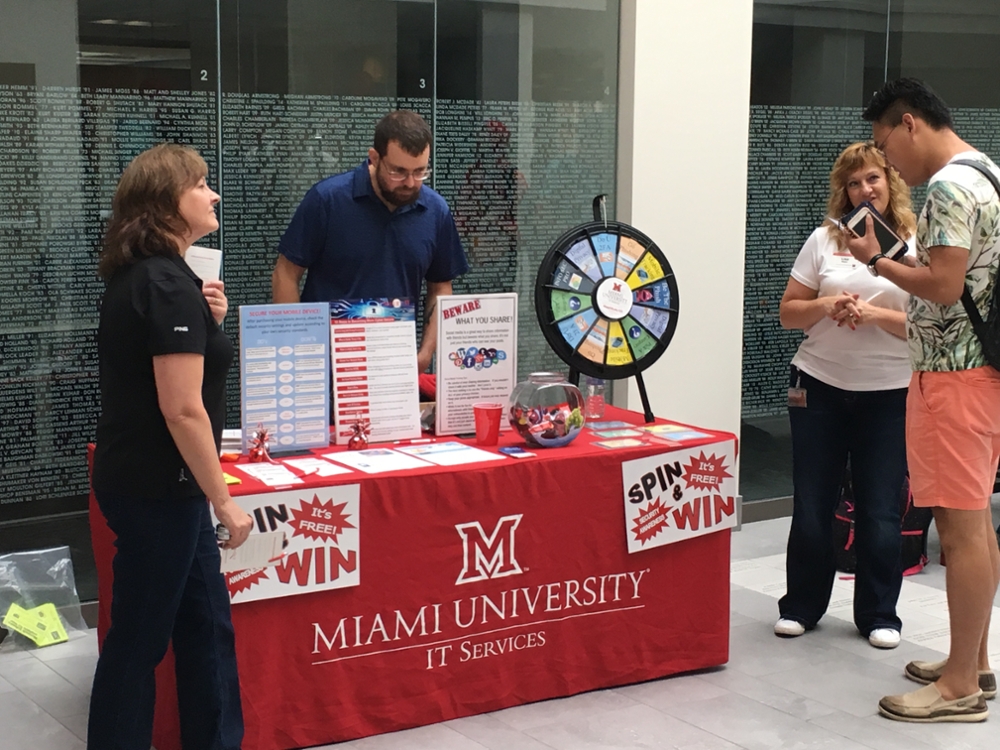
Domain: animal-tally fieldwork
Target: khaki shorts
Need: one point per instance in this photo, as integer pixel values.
(953, 437)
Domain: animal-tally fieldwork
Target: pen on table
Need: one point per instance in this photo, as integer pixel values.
(415, 440)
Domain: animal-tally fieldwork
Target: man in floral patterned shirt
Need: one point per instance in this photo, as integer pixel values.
(953, 406)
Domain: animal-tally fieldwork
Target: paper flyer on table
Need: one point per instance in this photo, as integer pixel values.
(476, 357)
(316, 466)
(623, 433)
(607, 425)
(677, 433)
(285, 374)
(450, 453)
(620, 443)
(273, 475)
(378, 460)
(374, 361)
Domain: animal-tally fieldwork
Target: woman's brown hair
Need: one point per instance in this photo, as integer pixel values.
(145, 216)
(899, 212)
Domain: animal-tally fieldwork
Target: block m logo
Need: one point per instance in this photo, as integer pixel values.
(488, 556)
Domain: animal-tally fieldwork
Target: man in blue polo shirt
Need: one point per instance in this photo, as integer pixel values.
(375, 231)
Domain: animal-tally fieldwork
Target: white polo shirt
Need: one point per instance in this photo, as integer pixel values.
(867, 358)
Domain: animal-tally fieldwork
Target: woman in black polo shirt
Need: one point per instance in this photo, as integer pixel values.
(163, 365)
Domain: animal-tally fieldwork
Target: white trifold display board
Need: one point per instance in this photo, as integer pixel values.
(476, 357)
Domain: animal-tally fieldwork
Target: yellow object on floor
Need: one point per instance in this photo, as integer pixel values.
(41, 624)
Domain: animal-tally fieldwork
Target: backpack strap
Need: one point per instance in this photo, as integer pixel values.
(978, 325)
(983, 169)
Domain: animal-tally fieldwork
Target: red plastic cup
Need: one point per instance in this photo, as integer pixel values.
(487, 423)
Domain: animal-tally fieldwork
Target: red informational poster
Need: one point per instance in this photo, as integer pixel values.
(373, 356)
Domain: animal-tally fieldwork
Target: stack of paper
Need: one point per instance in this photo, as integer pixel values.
(232, 441)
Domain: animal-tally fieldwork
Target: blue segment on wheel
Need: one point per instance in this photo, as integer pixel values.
(654, 321)
(606, 246)
(582, 254)
(654, 295)
(575, 328)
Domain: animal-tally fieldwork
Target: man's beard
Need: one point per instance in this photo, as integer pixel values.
(401, 196)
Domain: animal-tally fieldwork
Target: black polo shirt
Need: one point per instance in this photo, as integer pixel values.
(154, 306)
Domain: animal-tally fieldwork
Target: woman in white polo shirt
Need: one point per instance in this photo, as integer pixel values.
(847, 399)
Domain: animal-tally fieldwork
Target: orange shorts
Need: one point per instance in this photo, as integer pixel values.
(953, 437)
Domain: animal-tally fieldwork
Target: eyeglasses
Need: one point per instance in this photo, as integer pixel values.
(880, 147)
(401, 175)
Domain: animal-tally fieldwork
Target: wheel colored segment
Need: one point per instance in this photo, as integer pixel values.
(593, 346)
(618, 348)
(574, 329)
(565, 304)
(571, 279)
(647, 270)
(606, 246)
(655, 295)
(582, 256)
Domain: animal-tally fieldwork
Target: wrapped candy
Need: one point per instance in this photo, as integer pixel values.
(361, 429)
(259, 445)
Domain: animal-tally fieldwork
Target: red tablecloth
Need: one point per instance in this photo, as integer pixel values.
(409, 646)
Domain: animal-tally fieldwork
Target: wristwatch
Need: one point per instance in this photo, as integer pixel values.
(871, 264)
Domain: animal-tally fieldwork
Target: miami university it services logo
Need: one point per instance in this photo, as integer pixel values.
(488, 556)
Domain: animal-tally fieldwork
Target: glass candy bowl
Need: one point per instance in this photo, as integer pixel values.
(546, 410)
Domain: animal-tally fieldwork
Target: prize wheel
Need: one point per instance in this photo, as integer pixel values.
(606, 299)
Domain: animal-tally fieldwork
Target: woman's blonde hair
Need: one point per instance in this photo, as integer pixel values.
(145, 211)
(899, 212)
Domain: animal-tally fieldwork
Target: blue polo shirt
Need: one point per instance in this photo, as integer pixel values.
(354, 247)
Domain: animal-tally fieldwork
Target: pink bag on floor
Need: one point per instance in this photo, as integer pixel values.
(914, 527)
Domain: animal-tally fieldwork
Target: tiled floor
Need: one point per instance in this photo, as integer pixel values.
(817, 691)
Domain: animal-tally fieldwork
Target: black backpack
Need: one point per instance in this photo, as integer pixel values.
(987, 331)
(914, 526)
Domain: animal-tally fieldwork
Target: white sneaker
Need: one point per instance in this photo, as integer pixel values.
(884, 638)
(788, 628)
